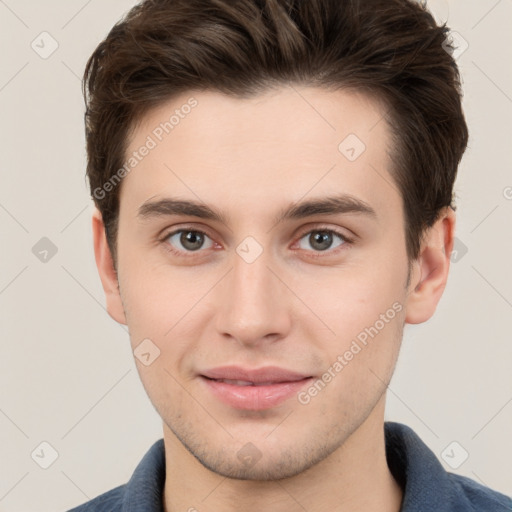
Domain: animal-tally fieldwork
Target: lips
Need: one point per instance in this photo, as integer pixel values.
(253, 389)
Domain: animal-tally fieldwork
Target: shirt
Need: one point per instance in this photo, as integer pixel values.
(427, 486)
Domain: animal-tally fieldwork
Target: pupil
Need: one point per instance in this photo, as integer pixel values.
(322, 237)
(192, 240)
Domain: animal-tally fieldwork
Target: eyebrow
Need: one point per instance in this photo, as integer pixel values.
(333, 205)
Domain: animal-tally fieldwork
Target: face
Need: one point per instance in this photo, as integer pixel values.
(289, 274)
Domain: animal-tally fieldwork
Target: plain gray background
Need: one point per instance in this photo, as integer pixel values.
(67, 373)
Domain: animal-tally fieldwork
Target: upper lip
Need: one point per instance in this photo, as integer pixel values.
(257, 375)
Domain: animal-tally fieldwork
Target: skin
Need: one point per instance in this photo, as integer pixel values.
(250, 159)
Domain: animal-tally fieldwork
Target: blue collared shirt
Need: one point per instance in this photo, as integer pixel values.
(427, 486)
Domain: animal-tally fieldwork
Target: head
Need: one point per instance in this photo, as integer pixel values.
(252, 109)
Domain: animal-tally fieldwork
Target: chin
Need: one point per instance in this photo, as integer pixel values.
(260, 471)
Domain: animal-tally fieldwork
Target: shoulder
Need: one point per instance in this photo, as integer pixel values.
(143, 491)
(468, 491)
(111, 501)
(427, 485)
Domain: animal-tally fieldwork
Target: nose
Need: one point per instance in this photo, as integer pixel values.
(253, 303)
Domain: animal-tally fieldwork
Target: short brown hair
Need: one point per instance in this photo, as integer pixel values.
(392, 49)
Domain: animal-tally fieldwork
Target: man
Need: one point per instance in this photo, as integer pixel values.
(273, 182)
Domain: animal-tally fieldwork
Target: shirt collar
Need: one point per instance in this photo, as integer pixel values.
(417, 470)
(144, 491)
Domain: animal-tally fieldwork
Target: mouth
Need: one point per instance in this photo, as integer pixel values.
(245, 382)
(257, 389)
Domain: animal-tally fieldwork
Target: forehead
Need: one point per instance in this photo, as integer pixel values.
(274, 147)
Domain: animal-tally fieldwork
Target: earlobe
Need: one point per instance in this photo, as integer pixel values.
(106, 269)
(431, 269)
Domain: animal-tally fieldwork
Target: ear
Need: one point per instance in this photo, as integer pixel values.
(106, 269)
(430, 270)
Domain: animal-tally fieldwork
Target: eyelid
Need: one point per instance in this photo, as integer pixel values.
(166, 234)
(329, 229)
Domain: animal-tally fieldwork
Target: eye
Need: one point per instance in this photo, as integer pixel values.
(322, 240)
(191, 240)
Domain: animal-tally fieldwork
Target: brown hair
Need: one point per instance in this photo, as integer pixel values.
(391, 49)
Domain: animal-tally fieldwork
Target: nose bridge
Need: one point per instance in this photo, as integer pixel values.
(252, 305)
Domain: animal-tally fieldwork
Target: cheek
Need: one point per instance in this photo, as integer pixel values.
(347, 300)
(360, 358)
(165, 306)
(152, 297)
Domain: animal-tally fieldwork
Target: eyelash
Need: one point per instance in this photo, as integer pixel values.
(346, 241)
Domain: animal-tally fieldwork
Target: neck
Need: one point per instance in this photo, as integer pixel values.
(353, 478)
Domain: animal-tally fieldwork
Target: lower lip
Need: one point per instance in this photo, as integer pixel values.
(254, 398)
